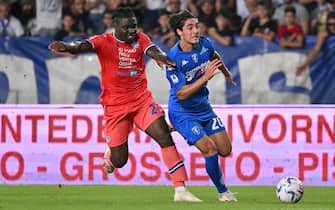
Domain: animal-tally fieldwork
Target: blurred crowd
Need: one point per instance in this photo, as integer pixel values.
(287, 21)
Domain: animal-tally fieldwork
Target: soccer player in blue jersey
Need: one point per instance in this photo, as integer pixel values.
(189, 109)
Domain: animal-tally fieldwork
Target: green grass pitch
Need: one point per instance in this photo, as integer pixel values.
(108, 197)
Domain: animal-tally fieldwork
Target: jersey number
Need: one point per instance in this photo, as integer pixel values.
(217, 123)
(155, 109)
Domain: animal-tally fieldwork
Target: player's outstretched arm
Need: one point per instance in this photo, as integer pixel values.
(224, 69)
(160, 57)
(61, 48)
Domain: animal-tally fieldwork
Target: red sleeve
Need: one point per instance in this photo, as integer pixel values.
(281, 31)
(97, 41)
(144, 41)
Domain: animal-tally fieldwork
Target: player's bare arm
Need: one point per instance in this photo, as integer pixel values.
(160, 57)
(223, 68)
(59, 47)
(210, 71)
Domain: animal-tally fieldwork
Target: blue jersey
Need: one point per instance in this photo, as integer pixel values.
(190, 66)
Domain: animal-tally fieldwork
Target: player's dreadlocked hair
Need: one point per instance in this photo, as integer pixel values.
(123, 12)
(177, 21)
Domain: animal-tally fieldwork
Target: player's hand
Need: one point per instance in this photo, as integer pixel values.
(57, 46)
(211, 68)
(163, 61)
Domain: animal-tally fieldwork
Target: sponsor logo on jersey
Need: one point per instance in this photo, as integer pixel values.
(197, 71)
(133, 73)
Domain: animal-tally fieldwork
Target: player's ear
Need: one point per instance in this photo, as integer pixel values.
(179, 32)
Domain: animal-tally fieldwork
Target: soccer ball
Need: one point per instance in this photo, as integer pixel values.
(290, 190)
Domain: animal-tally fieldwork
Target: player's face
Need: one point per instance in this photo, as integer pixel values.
(126, 29)
(191, 31)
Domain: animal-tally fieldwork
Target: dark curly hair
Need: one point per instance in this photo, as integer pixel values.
(177, 21)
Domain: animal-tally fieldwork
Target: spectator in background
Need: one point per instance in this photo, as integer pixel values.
(108, 21)
(9, 25)
(137, 6)
(165, 35)
(193, 6)
(221, 32)
(302, 14)
(224, 5)
(321, 39)
(203, 28)
(207, 13)
(48, 18)
(81, 17)
(152, 10)
(67, 29)
(112, 4)
(260, 24)
(96, 9)
(290, 34)
(245, 8)
(27, 15)
(319, 15)
(174, 6)
(308, 4)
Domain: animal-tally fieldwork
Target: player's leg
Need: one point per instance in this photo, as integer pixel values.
(117, 126)
(159, 131)
(150, 118)
(115, 157)
(222, 142)
(218, 135)
(208, 149)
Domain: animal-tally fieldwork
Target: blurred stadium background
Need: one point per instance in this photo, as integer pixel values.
(51, 141)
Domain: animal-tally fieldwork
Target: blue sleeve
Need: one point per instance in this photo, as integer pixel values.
(176, 78)
(208, 44)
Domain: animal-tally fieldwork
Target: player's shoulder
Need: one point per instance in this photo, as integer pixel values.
(105, 36)
(175, 50)
(141, 35)
(205, 40)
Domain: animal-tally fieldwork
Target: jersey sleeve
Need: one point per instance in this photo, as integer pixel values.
(176, 79)
(208, 44)
(96, 41)
(145, 42)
